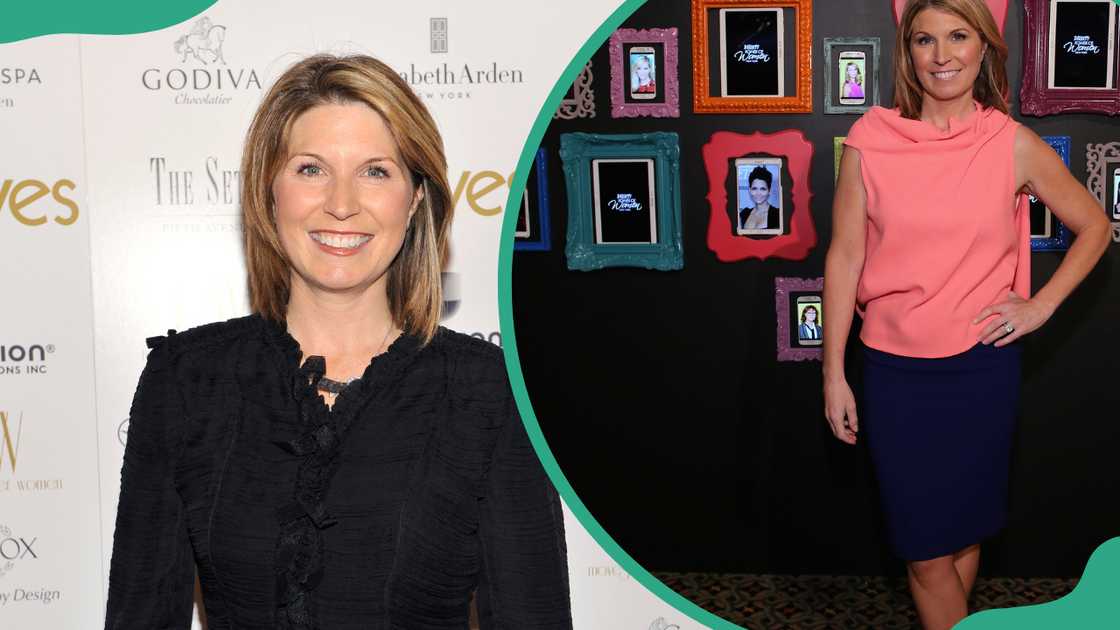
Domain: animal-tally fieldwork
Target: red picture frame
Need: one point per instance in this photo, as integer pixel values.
(1036, 98)
(717, 153)
(997, 7)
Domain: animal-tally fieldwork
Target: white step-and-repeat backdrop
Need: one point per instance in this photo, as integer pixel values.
(118, 220)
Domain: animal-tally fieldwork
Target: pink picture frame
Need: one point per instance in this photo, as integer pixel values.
(669, 105)
(1036, 98)
(997, 7)
(721, 149)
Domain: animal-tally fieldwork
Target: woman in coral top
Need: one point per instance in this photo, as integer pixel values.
(931, 246)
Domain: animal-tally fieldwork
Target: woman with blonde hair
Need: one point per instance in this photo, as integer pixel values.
(336, 459)
(931, 246)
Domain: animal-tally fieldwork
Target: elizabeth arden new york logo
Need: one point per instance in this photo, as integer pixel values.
(9, 444)
(439, 34)
(204, 40)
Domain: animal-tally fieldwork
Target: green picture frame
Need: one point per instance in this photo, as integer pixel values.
(833, 46)
(586, 248)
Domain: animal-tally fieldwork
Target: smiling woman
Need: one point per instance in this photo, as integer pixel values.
(931, 245)
(337, 459)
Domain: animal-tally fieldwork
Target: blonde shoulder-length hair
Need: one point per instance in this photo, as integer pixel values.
(414, 290)
(991, 86)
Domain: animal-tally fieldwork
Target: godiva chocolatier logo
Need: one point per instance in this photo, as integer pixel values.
(204, 78)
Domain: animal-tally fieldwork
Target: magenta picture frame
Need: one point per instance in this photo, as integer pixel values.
(782, 289)
(670, 107)
(1036, 98)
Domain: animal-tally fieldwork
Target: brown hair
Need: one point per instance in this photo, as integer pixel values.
(414, 290)
(991, 86)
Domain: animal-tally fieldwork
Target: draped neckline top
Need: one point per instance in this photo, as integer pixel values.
(948, 233)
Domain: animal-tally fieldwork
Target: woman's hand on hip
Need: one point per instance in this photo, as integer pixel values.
(1015, 317)
(840, 410)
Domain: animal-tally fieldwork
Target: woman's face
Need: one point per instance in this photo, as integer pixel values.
(760, 192)
(946, 54)
(853, 72)
(343, 198)
(810, 315)
(641, 68)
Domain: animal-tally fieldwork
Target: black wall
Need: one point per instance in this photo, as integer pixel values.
(661, 396)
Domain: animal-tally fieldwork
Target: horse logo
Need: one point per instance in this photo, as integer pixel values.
(205, 39)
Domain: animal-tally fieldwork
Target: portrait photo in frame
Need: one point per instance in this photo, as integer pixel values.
(798, 235)
(533, 231)
(758, 187)
(800, 318)
(624, 206)
(851, 76)
(579, 100)
(1047, 232)
(1070, 57)
(752, 56)
(644, 73)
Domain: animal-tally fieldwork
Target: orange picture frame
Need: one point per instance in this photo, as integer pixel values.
(802, 100)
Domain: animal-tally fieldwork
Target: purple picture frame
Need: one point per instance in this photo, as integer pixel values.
(782, 289)
(620, 108)
(1035, 97)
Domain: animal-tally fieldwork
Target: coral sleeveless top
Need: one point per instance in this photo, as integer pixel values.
(947, 233)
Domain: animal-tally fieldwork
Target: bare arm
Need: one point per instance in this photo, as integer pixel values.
(1039, 171)
(842, 269)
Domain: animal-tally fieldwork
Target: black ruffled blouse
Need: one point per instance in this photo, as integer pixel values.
(388, 510)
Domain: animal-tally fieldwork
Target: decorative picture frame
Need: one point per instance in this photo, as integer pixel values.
(1036, 96)
(666, 103)
(870, 83)
(787, 292)
(581, 104)
(1061, 237)
(703, 102)
(1101, 159)
(540, 238)
(718, 154)
(580, 154)
(997, 7)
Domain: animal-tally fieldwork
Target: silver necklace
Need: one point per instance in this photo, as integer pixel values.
(333, 387)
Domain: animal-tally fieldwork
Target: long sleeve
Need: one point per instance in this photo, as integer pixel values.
(524, 577)
(151, 579)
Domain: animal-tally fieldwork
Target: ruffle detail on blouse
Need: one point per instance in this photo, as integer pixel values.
(299, 548)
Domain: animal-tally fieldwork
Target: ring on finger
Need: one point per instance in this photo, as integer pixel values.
(1008, 328)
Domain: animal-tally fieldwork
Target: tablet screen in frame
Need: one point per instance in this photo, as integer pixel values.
(625, 201)
(751, 53)
(1082, 44)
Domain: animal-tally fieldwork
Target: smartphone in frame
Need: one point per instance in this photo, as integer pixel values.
(1116, 194)
(643, 72)
(809, 320)
(523, 229)
(852, 66)
(1082, 44)
(1041, 221)
(758, 185)
(625, 200)
(751, 53)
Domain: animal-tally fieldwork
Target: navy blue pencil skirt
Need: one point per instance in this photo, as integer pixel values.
(939, 432)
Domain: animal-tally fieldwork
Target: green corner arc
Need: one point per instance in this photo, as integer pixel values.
(24, 20)
(1088, 602)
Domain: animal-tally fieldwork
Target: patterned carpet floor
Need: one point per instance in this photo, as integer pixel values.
(820, 602)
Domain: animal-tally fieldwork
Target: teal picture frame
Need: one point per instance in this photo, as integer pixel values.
(577, 151)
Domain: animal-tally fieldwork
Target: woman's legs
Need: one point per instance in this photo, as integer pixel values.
(941, 586)
(967, 561)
